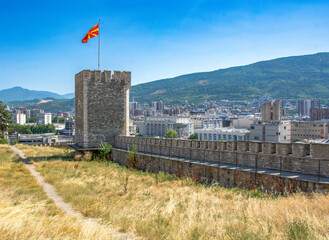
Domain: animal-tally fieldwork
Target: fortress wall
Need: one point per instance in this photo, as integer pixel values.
(301, 158)
(211, 173)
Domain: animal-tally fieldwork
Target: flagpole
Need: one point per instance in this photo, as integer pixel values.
(99, 43)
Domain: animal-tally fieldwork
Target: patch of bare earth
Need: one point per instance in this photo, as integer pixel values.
(203, 82)
(158, 92)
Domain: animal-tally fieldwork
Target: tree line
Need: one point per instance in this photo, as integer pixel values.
(5, 119)
(35, 129)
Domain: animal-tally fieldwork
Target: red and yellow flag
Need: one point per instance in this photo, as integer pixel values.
(93, 32)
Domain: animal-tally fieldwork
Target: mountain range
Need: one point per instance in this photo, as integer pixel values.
(22, 94)
(297, 77)
(294, 77)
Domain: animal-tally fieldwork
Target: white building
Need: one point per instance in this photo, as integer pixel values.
(216, 134)
(206, 121)
(44, 118)
(20, 118)
(271, 131)
(158, 126)
(47, 118)
(213, 123)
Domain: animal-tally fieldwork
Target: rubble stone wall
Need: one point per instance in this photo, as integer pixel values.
(214, 174)
(295, 157)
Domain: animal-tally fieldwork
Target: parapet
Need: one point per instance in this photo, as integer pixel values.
(298, 150)
(123, 78)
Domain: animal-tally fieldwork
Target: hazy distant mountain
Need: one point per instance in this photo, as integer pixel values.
(283, 78)
(68, 95)
(22, 94)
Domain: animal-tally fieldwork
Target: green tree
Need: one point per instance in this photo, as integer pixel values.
(5, 119)
(23, 129)
(171, 134)
(43, 128)
(31, 120)
(193, 136)
(27, 129)
(59, 120)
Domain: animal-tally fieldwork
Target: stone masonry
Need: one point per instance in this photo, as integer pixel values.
(291, 157)
(274, 167)
(101, 106)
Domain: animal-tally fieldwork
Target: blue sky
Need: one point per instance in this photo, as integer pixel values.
(41, 47)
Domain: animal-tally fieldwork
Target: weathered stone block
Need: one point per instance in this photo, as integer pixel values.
(255, 147)
(209, 155)
(231, 146)
(242, 146)
(221, 146)
(195, 144)
(283, 148)
(203, 144)
(319, 151)
(300, 150)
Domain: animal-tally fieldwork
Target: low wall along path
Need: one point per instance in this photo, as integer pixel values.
(272, 166)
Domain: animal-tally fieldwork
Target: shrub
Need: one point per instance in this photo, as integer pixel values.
(132, 159)
(171, 134)
(3, 141)
(104, 150)
(193, 136)
(299, 230)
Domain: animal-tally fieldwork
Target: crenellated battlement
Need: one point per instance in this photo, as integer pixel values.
(273, 167)
(292, 157)
(97, 76)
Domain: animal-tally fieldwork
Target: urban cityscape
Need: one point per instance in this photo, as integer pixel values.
(264, 119)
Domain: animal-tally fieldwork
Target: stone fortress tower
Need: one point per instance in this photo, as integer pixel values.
(101, 107)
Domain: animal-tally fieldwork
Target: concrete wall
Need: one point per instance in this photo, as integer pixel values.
(309, 130)
(101, 106)
(271, 110)
(243, 122)
(300, 158)
(271, 131)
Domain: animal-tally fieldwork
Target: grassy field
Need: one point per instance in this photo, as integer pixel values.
(27, 213)
(163, 207)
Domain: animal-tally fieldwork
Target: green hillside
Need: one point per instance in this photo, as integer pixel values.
(53, 106)
(283, 78)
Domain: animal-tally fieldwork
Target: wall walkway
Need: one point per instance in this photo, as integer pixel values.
(273, 167)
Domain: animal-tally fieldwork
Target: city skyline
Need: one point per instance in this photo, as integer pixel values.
(152, 40)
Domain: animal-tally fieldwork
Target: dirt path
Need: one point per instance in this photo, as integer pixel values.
(52, 194)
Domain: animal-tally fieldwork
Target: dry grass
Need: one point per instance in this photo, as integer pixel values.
(27, 213)
(40, 153)
(179, 208)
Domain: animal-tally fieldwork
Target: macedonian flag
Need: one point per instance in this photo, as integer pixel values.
(93, 32)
